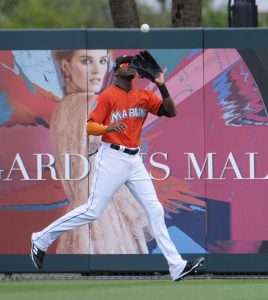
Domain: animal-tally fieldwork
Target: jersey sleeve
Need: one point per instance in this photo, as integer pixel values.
(99, 113)
(154, 103)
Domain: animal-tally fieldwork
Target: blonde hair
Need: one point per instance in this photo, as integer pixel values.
(59, 55)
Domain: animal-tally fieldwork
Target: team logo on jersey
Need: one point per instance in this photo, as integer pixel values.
(134, 112)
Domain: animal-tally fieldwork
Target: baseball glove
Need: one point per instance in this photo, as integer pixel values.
(146, 66)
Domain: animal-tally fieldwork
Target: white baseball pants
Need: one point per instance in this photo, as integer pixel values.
(113, 169)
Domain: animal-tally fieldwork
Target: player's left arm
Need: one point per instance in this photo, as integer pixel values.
(94, 128)
(167, 108)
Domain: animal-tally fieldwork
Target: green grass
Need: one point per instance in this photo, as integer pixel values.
(255, 289)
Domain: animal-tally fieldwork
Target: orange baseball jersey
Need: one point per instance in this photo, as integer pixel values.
(116, 105)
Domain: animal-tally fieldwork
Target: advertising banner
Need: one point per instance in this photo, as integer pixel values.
(208, 164)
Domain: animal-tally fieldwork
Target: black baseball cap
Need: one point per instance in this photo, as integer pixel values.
(122, 59)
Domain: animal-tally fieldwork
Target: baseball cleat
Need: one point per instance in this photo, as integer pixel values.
(37, 256)
(191, 267)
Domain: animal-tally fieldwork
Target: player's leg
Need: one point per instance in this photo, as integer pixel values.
(142, 188)
(109, 176)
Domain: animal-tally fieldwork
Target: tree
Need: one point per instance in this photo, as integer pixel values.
(97, 14)
(214, 18)
(186, 13)
(54, 14)
(124, 13)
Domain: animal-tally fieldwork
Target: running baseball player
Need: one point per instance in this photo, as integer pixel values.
(119, 115)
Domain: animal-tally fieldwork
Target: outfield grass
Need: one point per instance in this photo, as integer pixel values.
(255, 289)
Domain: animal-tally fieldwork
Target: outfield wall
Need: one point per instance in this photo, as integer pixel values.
(209, 164)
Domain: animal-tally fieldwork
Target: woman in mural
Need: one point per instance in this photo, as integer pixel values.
(123, 226)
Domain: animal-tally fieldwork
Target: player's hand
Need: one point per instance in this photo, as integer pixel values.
(159, 80)
(117, 127)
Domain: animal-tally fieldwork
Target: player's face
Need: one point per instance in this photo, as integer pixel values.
(87, 69)
(126, 71)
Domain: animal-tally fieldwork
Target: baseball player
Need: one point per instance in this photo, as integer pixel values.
(118, 116)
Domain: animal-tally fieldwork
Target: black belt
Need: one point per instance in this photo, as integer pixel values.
(126, 150)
